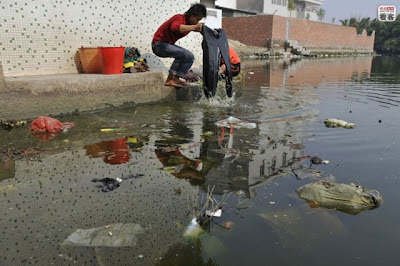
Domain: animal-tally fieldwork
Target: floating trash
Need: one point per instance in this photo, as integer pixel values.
(9, 124)
(207, 134)
(350, 198)
(112, 129)
(122, 235)
(47, 128)
(232, 122)
(216, 213)
(317, 160)
(107, 184)
(228, 224)
(193, 229)
(333, 122)
(49, 124)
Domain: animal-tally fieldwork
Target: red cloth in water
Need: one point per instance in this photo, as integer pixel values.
(47, 128)
(49, 124)
(45, 135)
(45, 123)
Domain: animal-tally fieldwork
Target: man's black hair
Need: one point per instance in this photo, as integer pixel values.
(197, 10)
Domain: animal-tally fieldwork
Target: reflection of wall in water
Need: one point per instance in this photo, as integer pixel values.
(230, 171)
(314, 72)
(267, 162)
(311, 72)
(254, 166)
(49, 199)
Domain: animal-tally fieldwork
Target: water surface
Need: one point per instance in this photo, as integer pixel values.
(170, 155)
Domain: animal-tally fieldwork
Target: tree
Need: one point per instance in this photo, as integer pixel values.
(391, 45)
(291, 6)
(364, 23)
(387, 34)
(308, 16)
(353, 22)
(321, 14)
(344, 22)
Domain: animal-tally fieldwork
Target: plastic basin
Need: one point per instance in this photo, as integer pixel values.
(91, 60)
(113, 59)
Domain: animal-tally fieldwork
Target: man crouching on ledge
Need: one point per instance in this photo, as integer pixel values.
(168, 33)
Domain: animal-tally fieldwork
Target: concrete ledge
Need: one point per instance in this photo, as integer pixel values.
(193, 92)
(30, 96)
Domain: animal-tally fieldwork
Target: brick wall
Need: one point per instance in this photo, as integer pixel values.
(251, 30)
(266, 29)
(279, 25)
(314, 34)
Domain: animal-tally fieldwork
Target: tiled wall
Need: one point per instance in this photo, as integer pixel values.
(42, 37)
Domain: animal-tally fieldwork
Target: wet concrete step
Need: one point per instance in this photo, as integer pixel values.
(193, 92)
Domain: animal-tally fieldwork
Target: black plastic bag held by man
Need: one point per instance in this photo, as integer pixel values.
(215, 44)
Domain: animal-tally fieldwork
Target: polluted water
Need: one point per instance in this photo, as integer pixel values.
(173, 162)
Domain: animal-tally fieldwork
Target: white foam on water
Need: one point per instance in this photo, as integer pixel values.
(218, 101)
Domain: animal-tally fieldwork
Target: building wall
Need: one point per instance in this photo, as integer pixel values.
(304, 7)
(42, 37)
(276, 7)
(251, 5)
(273, 7)
(303, 14)
(264, 30)
(226, 3)
(234, 13)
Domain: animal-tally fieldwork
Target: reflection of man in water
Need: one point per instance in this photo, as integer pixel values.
(179, 165)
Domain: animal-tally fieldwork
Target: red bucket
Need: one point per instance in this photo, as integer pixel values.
(113, 59)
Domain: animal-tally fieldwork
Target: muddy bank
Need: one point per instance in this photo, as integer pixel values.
(255, 52)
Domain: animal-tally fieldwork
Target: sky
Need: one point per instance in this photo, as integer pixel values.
(342, 9)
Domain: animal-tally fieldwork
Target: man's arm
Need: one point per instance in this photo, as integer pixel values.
(187, 28)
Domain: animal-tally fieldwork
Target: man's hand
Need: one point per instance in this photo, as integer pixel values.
(198, 27)
(187, 28)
